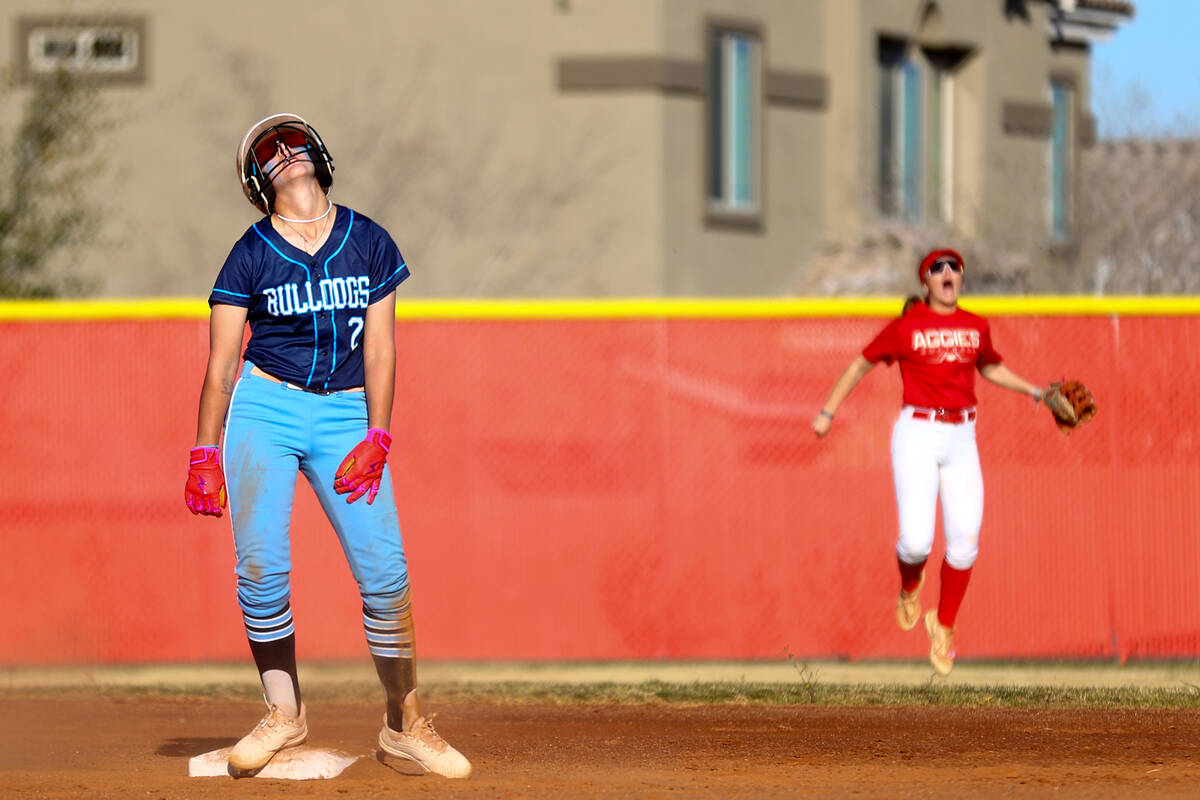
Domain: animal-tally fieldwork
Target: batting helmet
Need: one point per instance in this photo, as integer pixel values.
(294, 132)
(944, 254)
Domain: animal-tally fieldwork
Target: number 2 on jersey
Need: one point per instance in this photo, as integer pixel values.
(356, 324)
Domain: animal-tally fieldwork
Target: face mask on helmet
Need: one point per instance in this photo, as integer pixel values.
(255, 156)
(266, 146)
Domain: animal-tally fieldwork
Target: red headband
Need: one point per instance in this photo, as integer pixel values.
(933, 257)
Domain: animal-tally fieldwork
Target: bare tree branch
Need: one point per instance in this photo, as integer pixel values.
(44, 211)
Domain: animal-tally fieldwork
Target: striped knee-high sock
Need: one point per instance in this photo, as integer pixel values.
(273, 645)
(391, 640)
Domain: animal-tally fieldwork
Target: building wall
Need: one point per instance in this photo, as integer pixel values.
(846, 182)
(445, 125)
(1012, 212)
(1000, 134)
(706, 257)
(556, 148)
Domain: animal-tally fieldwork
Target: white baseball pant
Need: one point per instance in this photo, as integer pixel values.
(929, 455)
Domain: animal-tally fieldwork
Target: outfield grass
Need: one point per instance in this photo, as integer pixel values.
(973, 685)
(820, 694)
(699, 693)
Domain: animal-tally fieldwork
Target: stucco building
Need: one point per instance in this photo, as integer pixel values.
(589, 147)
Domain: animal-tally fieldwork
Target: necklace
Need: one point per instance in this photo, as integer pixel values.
(303, 221)
(309, 244)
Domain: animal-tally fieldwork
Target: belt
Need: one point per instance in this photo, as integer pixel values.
(950, 416)
(258, 372)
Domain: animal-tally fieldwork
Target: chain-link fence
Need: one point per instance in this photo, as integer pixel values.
(622, 488)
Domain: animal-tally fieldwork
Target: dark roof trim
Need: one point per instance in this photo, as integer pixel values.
(1116, 6)
(631, 72)
(1082, 22)
(1027, 119)
(806, 90)
(797, 89)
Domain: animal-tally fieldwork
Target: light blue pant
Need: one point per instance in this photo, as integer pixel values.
(271, 432)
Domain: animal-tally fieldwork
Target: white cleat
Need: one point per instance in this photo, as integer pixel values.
(276, 731)
(422, 745)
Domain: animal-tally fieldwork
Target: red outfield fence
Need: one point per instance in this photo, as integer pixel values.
(637, 486)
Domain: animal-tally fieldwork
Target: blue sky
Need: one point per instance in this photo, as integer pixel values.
(1135, 88)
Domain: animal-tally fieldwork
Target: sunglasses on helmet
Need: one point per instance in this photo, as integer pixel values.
(266, 145)
(942, 263)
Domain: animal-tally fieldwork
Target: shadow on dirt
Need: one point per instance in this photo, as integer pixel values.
(191, 746)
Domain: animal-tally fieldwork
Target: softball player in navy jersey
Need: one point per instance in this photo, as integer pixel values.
(939, 347)
(316, 282)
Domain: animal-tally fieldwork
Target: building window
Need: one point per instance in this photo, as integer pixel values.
(1061, 134)
(916, 143)
(900, 131)
(103, 50)
(734, 109)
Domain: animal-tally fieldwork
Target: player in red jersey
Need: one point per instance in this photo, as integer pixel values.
(938, 346)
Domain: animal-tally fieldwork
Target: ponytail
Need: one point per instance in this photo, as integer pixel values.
(909, 302)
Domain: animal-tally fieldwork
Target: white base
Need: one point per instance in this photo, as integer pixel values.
(295, 763)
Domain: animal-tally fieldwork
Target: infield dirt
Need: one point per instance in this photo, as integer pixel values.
(80, 745)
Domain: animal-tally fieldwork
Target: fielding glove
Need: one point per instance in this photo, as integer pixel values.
(1071, 403)
(362, 470)
(205, 489)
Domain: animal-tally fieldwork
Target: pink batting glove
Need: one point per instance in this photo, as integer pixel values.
(205, 489)
(362, 470)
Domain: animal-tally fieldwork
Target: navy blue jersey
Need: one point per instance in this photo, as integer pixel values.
(306, 312)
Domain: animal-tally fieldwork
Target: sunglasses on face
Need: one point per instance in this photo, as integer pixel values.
(267, 145)
(941, 264)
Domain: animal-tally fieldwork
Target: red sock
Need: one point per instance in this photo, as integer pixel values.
(954, 586)
(910, 574)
